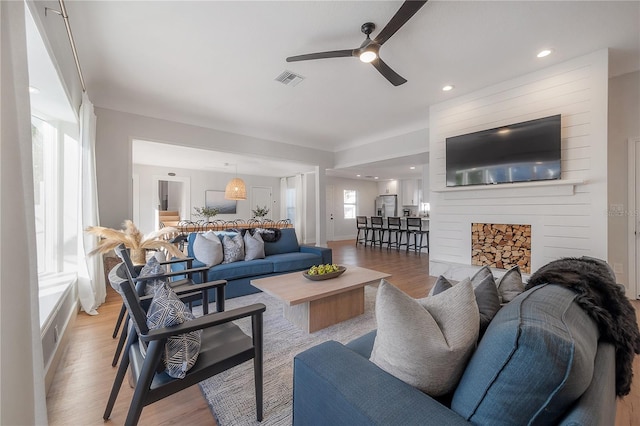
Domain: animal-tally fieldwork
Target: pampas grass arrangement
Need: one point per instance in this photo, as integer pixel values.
(133, 239)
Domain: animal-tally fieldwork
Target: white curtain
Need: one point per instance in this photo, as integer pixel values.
(21, 362)
(283, 198)
(299, 222)
(91, 286)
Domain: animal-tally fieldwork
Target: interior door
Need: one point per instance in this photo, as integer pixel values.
(330, 212)
(262, 196)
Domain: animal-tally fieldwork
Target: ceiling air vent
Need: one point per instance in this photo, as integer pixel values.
(289, 78)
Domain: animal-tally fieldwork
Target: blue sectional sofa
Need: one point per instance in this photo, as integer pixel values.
(540, 362)
(282, 256)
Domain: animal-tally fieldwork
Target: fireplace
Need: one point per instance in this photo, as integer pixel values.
(501, 246)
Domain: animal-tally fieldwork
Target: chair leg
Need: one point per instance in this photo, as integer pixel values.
(123, 339)
(123, 310)
(117, 383)
(154, 353)
(257, 331)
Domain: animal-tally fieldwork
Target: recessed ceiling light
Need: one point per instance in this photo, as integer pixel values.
(543, 53)
(357, 175)
(412, 167)
(376, 177)
(34, 90)
(447, 88)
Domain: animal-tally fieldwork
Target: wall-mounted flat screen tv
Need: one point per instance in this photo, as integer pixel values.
(520, 152)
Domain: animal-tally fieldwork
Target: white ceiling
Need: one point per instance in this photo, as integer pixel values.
(213, 63)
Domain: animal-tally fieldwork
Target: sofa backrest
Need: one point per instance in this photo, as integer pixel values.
(534, 361)
(288, 243)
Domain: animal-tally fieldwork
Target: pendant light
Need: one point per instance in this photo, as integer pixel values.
(236, 189)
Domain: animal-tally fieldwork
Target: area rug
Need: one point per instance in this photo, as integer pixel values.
(231, 395)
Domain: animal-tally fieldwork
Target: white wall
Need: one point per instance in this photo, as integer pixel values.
(624, 110)
(115, 130)
(199, 181)
(565, 220)
(367, 191)
(414, 142)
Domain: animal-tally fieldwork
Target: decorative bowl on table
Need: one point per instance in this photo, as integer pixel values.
(325, 276)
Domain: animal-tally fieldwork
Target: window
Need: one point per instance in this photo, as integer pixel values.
(350, 204)
(44, 143)
(55, 197)
(291, 204)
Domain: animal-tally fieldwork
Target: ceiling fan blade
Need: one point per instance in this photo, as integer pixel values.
(393, 77)
(406, 11)
(321, 55)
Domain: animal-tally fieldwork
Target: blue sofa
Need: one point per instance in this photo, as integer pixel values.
(539, 362)
(282, 256)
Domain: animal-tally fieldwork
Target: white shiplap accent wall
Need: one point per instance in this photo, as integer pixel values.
(566, 220)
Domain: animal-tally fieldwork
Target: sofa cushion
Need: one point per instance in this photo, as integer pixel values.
(235, 270)
(233, 248)
(253, 246)
(534, 361)
(207, 248)
(287, 243)
(293, 261)
(180, 352)
(426, 342)
(510, 284)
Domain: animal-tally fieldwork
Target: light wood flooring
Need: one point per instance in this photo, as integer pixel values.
(83, 381)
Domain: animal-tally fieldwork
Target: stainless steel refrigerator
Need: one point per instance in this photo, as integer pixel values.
(386, 205)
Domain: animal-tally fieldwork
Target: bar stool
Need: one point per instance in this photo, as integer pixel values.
(377, 231)
(394, 228)
(414, 228)
(361, 225)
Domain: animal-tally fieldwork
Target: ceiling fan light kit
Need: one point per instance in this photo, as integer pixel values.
(368, 51)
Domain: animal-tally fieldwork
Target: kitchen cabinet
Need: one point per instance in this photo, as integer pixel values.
(411, 192)
(389, 187)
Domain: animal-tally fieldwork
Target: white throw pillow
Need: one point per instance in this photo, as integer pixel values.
(208, 249)
(253, 246)
(426, 342)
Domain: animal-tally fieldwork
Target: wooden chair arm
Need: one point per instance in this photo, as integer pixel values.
(202, 270)
(189, 261)
(205, 321)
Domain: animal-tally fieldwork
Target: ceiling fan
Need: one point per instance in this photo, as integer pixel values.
(368, 50)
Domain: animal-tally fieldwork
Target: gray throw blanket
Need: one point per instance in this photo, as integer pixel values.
(604, 300)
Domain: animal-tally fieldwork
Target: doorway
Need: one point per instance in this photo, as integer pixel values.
(262, 196)
(633, 226)
(171, 193)
(329, 190)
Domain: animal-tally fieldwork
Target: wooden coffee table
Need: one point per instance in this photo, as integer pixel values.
(314, 305)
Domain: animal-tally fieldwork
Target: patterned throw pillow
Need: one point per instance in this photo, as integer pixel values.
(152, 267)
(233, 248)
(180, 352)
(426, 342)
(253, 246)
